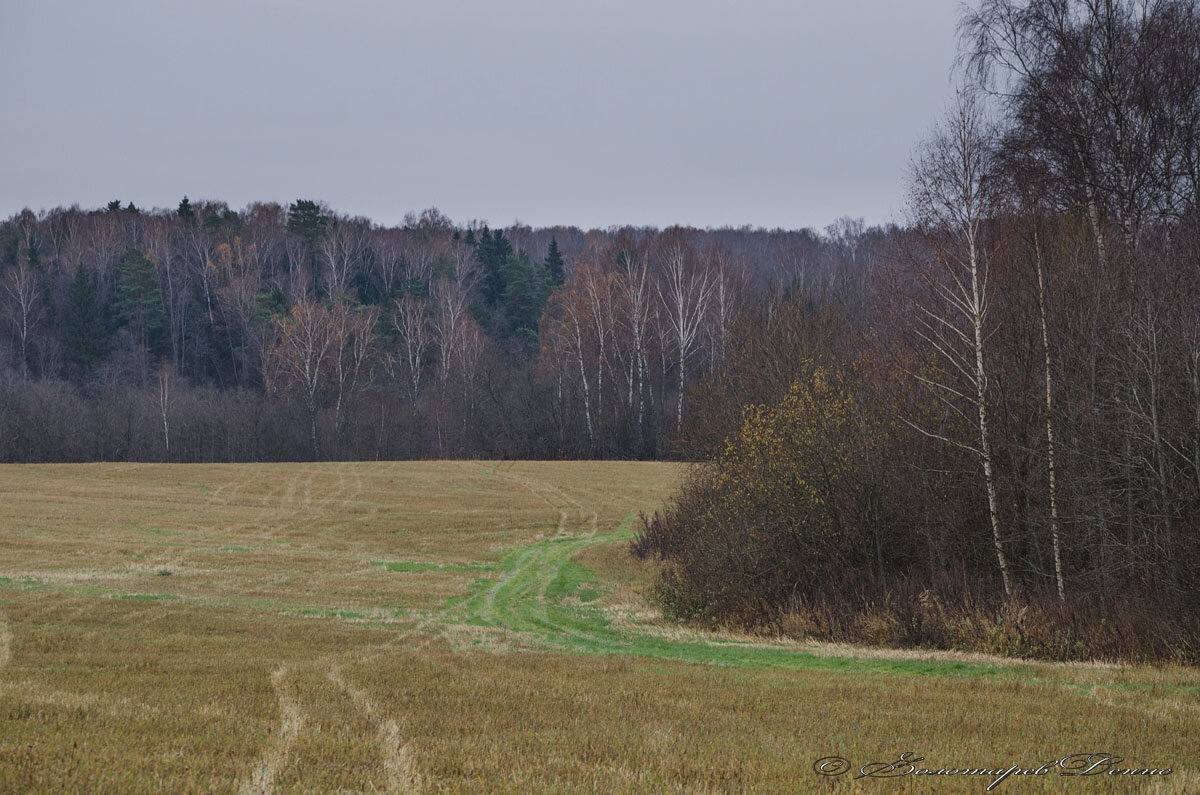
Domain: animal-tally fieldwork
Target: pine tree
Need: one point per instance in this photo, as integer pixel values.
(139, 305)
(305, 219)
(554, 265)
(85, 341)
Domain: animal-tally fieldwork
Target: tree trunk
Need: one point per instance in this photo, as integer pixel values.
(985, 447)
(1054, 532)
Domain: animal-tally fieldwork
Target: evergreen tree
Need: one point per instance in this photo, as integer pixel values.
(555, 269)
(139, 305)
(185, 210)
(85, 340)
(525, 292)
(492, 253)
(10, 244)
(305, 219)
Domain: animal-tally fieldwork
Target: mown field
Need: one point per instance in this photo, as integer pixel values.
(469, 627)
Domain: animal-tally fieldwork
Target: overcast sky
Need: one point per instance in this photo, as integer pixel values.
(765, 112)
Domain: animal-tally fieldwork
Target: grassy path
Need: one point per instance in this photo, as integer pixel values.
(544, 596)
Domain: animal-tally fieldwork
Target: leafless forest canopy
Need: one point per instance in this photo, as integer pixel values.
(1008, 383)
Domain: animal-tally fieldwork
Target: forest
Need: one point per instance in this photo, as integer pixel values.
(997, 398)
(291, 332)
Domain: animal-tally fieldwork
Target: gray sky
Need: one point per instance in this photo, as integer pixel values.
(767, 112)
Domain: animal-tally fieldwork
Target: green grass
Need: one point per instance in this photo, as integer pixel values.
(530, 598)
(413, 566)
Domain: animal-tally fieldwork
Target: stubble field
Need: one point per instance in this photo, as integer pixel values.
(469, 626)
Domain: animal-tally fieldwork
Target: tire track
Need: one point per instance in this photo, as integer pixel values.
(262, 780)
(540, 486)
(540, 489)
(399, 759)
(5, 642)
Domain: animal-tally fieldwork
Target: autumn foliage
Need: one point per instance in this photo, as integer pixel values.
(768, 518)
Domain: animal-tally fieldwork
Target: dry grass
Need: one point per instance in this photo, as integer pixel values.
(196, 628)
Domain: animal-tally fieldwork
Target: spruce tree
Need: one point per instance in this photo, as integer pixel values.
(554, 264)
(85, 341)
(492, 253)
(185, 210)
(524, 293)
(139, 305)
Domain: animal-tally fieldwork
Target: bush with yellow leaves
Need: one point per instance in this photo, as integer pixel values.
(769, 519)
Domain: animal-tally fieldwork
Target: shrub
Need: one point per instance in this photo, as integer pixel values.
(766, 519)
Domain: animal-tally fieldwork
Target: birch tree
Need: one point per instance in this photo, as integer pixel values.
(352, 337)
(951, 185)
(635, 296)
(415, 337)
(22, 306)
(1047, 372)
(568, 308)
(164, 405)
(685, 292)
(451, 313)
(342, 248)
(300, 357)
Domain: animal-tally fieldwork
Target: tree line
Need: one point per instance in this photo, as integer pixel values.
(1003, 453)
(295, 332)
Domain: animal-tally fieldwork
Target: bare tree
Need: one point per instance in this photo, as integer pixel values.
(1047, 370)
(415, 335)
(342, 249)
(570, 313)
(633, 288)
(299, 358)
(727, 292)
(22, 306)
(596, 291)
(1105, 95)
(951, 181)
(164, 405)
(451, 314)
(387, 263)
(237, 281)
(685, 292)
(352, 339)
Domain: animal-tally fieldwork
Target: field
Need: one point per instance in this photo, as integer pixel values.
(470, 627)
